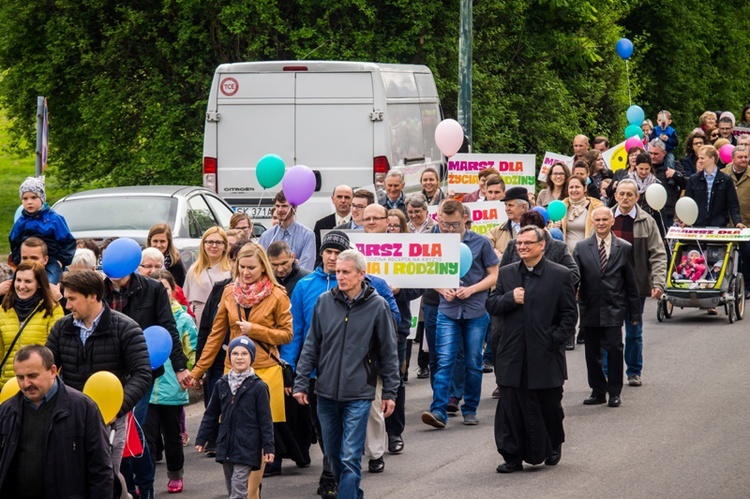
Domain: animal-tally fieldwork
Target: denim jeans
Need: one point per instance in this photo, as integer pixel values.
(633, 346)
(54, 271)
(487, 356)
(450, 334)
(344, 426)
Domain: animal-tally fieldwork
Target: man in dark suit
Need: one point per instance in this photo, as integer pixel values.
(607, 290)
(534, 303)
(342, 202)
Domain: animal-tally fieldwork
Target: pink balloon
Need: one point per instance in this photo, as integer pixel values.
(298, 184)
(725, 153)
(633, 141)
(449, 136)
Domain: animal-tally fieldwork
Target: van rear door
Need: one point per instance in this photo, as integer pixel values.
(256, 118)
(333, 127)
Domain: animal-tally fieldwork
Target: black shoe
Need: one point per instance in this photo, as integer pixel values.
(581, 339)
(595, 400)
(395, 444)
(452, 407)
(614, 401)
(507, 467)
(423, 373)
(376, 465)
(146, 493)
(487, 367)
(328, 490)
(570, 344)
(496, 393)
(271, 471)
(555, 457)
(406, 376)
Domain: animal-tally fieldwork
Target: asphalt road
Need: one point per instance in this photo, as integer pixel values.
(684, 434)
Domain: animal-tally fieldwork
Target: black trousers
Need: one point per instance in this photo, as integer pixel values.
(394, 424)
(609, 339)
(163, 421)
(529, 423)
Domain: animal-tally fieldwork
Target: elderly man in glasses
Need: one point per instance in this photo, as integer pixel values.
(462, 319)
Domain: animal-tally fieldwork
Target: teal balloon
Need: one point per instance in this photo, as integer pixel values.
(556, 210)
(465, 261)
(270, 170)
(632, 131)
(635, 116)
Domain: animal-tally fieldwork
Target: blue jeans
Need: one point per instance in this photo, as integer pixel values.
(450, 334)
(344, 426)
(633, 346)
(54, 271)
(488, 357)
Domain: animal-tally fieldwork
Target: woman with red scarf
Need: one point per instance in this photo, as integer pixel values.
(257, 306)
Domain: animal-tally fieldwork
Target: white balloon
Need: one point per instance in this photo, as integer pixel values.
(449, 136)
(656, 196)
(687, 210)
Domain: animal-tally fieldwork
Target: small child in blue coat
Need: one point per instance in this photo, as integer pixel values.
(245, 434)
(37, 219)
(664, 131)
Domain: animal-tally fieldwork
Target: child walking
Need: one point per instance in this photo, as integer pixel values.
(37, 219)
(245, 434)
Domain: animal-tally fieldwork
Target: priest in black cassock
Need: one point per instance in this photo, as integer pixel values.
(534, 303)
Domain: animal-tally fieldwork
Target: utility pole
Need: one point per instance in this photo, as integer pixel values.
(42, 135)
(464, 68)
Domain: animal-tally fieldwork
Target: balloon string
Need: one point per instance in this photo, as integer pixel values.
(627, 72)
(260, 200)
(666, 229)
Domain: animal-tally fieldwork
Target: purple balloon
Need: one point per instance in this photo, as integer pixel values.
(298, 184)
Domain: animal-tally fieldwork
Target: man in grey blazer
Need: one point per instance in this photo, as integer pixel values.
(607, 290)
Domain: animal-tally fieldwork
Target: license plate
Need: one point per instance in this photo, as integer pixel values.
(254, 211)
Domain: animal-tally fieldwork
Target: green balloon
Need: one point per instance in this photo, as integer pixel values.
(556, 210)
(632, 131)
(270, 170)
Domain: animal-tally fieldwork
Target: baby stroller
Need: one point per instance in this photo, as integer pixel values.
(704, 272)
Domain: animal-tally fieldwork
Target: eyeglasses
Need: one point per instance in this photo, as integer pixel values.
(374, 219)
(214, 243)
(358, 206)
(394, 227)
(451, 225)
(557, 174)
(149, 267)
(244, 227)
(526, 243)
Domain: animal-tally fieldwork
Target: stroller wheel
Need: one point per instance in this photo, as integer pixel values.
(660, 315)
(739, 296)
(668, 309)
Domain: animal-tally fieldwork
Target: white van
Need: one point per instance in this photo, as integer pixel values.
(347, 121)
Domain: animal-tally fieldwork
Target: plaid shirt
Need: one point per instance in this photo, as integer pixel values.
(118, 299)
(83, 330)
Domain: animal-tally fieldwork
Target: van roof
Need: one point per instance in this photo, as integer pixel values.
(332, 66)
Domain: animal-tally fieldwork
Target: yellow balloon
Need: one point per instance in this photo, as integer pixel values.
(9, 390)
(105, 389)
(619, 159)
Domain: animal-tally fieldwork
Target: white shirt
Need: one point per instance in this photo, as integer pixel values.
(607, 243)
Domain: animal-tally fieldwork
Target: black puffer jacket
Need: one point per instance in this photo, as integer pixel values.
(148, 305)
(117, 345)
(76, 461)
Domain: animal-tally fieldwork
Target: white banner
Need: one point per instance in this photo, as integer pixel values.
(411, 260)
(550, 158)
(516, 170)
(484, 215)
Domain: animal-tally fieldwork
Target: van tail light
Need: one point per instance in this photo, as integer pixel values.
(209, 173)
(379, 165)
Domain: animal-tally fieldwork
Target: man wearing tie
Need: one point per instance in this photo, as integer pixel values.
(607, 290)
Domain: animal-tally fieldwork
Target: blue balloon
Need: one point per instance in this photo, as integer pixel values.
(121, 258)
(557, 234)
(17, 215)
(624, 48)
(635, 115)
(543, 212)
(159, 344)
(466, 260)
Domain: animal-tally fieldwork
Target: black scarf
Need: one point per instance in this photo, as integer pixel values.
(167, 261)
(24, 307)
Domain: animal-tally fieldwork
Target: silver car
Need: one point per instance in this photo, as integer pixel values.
(100, 214)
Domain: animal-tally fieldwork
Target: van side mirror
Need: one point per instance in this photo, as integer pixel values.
(318, 180)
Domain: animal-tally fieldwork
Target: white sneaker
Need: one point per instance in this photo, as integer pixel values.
(635, 380)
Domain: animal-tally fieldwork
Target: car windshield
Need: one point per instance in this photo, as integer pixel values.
(107, 213)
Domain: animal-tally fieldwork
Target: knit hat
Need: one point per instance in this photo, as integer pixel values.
(243, 341)
(335, 239)
(35, 185)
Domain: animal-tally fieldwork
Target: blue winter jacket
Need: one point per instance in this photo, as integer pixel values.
(671, 134)
(304, 297)
(48, 226)
(167, 390)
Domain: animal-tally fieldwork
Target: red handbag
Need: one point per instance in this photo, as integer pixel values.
(133, 445)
